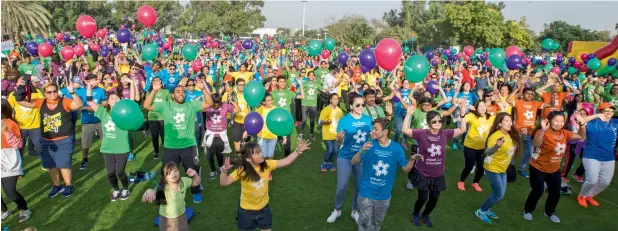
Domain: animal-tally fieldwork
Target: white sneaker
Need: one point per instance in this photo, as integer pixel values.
(333, 216)
(355, 216)
(409, 185)
(553, 218)
(6, 214)
(528, 216)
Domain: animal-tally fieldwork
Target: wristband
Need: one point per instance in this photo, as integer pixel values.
(222, 169)
(88, 98)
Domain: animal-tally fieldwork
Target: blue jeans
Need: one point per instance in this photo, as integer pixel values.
(527, 139)
(498, 185)
(344, 169)
(331, 150)
(398, 127)
(268, 146)
(33, 137)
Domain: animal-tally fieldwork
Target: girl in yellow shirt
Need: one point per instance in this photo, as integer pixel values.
(329, 118)
(266, 139)
(479, 121)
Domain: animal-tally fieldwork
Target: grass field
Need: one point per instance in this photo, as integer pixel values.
(301, 198)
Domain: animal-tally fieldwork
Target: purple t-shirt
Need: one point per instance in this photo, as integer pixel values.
(433, 149)
(8, 86)
(216, 119)
(55, 69)
(139, 78)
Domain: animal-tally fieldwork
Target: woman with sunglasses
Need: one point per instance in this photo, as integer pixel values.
(428, 176)
(353, 130)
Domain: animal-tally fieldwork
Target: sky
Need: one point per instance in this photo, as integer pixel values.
(590, 15)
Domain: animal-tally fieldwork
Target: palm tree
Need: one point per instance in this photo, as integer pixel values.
(18, 16)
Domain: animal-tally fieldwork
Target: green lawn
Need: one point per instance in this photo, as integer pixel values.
(301, 198)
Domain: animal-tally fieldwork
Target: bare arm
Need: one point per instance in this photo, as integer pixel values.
(149, 98)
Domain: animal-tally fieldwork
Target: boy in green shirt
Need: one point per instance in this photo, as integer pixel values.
(283, 97)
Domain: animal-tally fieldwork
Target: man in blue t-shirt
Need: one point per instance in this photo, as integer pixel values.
(171, 77)
(90, 123)
(191, 95)
(379, 158)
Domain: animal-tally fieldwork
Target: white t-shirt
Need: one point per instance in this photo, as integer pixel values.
(329, 81)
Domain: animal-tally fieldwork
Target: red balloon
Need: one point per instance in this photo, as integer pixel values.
(215, 44)
(160, 49)
(94, 47)
(577, 64)
(513, 50)
(466, 58)
(196, 65)
(459, 55)
(167, 45)
(208, 38)
(583, 68)
(238, 44)
(487, 63)
(556, 70)
(59, 36)
(101, 33)
(45, 49)
(86, 26)
(544, 62)
(79, 50)
(146, 15)
(67, 53)
(277, 46)
(468, 50)
(325, 54)
(583, 56)
(388, 54)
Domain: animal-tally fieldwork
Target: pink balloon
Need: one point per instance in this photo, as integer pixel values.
(577, 64)
(325, 54)
(45, 49)
(101, 33)
(468, 50)
(487, 63)
(133, 27)
(215, 44)
(94, 47)
(196, 65)
(544, 62)
(388, 54)
(583, 56)
(67, 53)
(146, 15)
(208, 38)
(79, 50)
(513, 50)
(208, 45)
(556, 70)
(160, 49)
(86, 26)
(238, 44)
(459, 55)
(167, 45)
(59, 36)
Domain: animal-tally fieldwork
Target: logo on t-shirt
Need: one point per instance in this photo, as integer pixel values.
(528, 114)
(381, 168)
(258, 185)
(110, 126)
(216, 119)
(311, 92)
(282, 102)
(482, 129)
(179, 117)
(434, 150)
(560, 148)
(360, 136)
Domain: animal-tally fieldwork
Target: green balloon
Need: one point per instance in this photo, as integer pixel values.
(28, 36)
(254, 93)
(478, 51)
(555, 46)
(315, 47)
(504, 69)
(581, 77)
(454, 51)
(280, 122)
(444, 57)
(594, 64)
(226, 38)
(548, 67)
(189, 52)
(548, 44)
(405, 42)
(304, 48)
(497, 57)
(487, 49)
(416, 68)
(127, 115)
(329, 44)
(39, 40)
(572, 70)
(282, 41)
(150, 51)
(406, 49)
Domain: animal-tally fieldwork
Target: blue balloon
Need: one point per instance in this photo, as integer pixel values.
(513, 62)
(430, 55)
(133, 40)
(572, 60)
(342, 58)
(123, 35)
(591, 56)
(104, 53)
(160, 43)
(611, 62)
(115, 51)
(367, 59)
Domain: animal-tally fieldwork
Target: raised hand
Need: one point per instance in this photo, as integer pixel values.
(500, 141)
(156, 85)
(389, 107)
(366, 146)
(417, 157)
(148, 196)
(226, 164)
(545, 124)
(191, 172)
(303, 145)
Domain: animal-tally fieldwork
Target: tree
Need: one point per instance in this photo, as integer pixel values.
(65, 13)
(285, 32)
(563, 33)
(221, 17)
(27, 17)
(351, 30)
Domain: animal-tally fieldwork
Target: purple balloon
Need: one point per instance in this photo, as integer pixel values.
(52, 42)
(104, 48)
(253, 123)
(133, 40)
(434, 63)
(67, 37)
(483, 57)
(364, 69)
(367, 59)
(123, 35)
(611, 62)
(563, 66)
(559, 59)
(247, 44)
(430, 55)
(449, 62)
(572, 60)
(104, 53)
(591, 56)
(160, 43)
(513, 62)
(342, 58)
(115, 51)
(32, 48)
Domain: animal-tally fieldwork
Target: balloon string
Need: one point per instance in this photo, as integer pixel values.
(146, 171)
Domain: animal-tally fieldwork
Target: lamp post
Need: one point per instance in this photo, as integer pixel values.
(304, 3)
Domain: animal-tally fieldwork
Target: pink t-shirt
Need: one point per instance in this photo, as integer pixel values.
(433, 149)
(216, 119)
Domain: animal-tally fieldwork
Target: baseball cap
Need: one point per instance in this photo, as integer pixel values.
(604, 106)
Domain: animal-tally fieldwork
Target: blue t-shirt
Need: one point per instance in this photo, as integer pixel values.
(399, 109)
(98, 96)
(600, 135)
(356, 134)
(150, 75)
(380, 168)
(449, 97)
(470, 97)
(170, 81)
(191, 96)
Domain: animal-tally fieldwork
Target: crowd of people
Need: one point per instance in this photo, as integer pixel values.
(368, 120)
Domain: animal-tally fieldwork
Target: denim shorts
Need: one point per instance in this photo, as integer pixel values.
(252, 219)
(57, 153)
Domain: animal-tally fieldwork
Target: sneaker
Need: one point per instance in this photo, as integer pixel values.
(6, 214)
(115, 195)
(197, 198)
(491, 214)
(333, 216)
(312, 136)
(578, 178)
(473, 169)
(213, 175)
(455, 146)
(528, 216)
(477, 187)
(270, 176)
(323, 167)
(553, 218)
(55, 191)
(582, 201)
(331, 166)
(355, 215)
(461, 186)
(565, 179)
(125, 194)
(68, 191)
(44, 169)
(409, 185)
(130, 156)
(523, 173)
(156, 156)
(592, 201)
(83, 165)
(483, 216)
(416, 220)
(427, 221)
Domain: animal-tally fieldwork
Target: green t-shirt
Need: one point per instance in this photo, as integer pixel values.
(283, 98)
(161, 96)
(375, 112)
(179, 123)
(115, 140)
(290, 75)
(320, 73)
(27, 69)
(612, 99)
(312, 91)
(175, 199)
(589, 93)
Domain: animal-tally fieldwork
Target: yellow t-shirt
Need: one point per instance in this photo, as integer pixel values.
(254, 195)
(478, 130)
(125, 68)
(247, 76)
(499, 161)
(343, 85)
(239, 117)
(372, 79)
(27, 118)
(265, 133)
(329, 132)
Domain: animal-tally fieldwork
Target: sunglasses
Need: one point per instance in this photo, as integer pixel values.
(359, 105)
(436, 121)
(607, 110)
(172, 69)
(241, 85)
(50, 92)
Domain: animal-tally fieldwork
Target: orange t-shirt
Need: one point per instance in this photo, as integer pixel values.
(525, 117)
(13, 129)
(356, 76)
(552, 106)
(66, 102)
(552, 150)
(493, 108)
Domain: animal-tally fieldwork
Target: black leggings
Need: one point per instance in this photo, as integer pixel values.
(115, 165)
(537, 183)
(311, 112)
(9, 185)
(569, 163)
(472, 157)
(429, 197)
(156, 131)
(287, 148)
(298, 110)
(215, 149)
